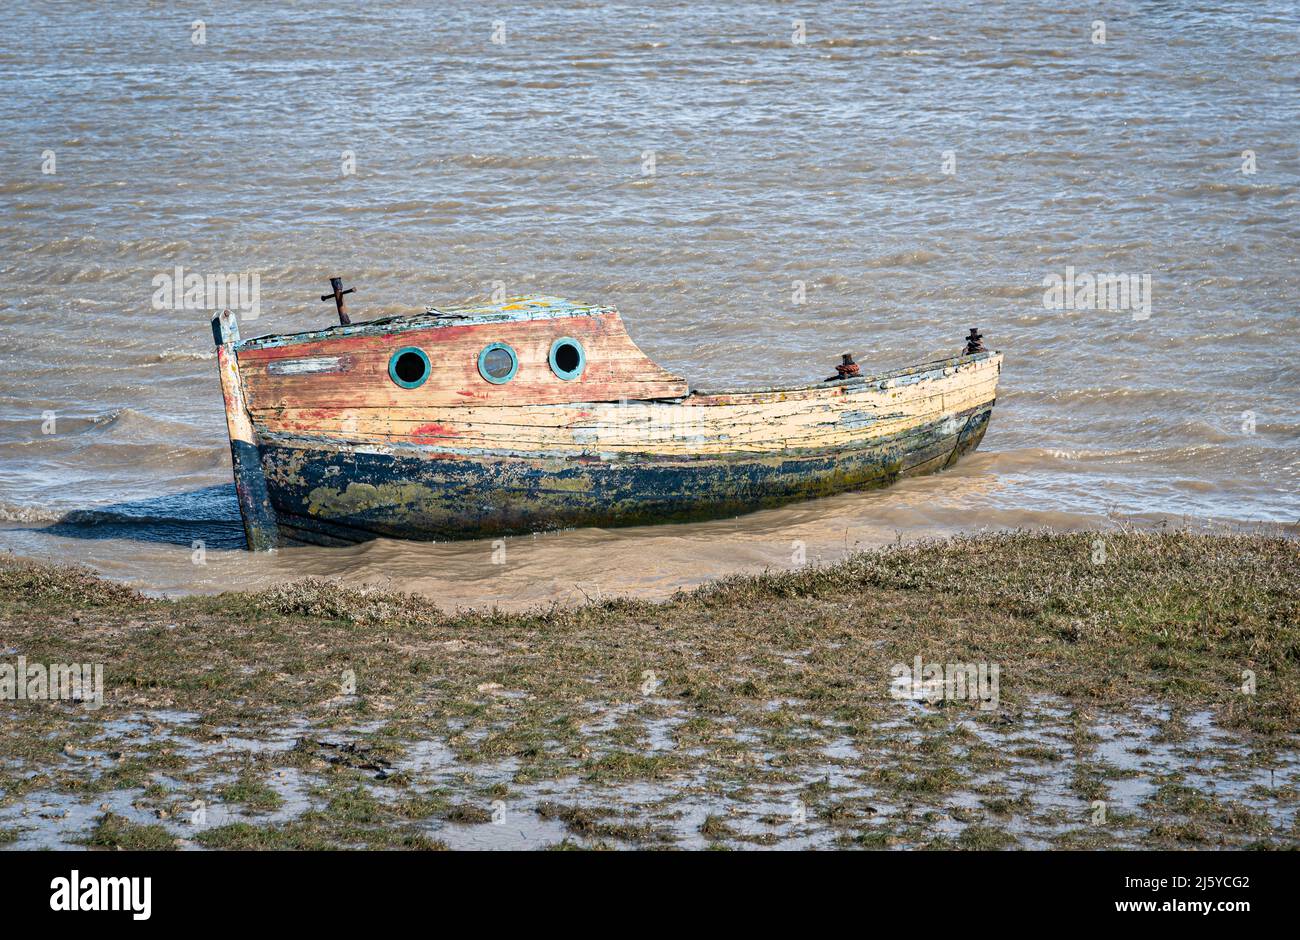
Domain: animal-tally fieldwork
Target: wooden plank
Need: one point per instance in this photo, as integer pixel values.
(684, 428)
(260, 531)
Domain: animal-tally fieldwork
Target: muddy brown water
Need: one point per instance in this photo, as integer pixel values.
(520, 164)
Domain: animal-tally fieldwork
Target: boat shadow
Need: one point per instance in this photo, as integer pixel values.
(209, 514)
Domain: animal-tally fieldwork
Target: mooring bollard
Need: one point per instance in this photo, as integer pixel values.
(847, 369)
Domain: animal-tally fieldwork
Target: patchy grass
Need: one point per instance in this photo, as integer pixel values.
(985, 839)
(716, 828)
(467, 813)
(591, 823)
(252, 793)
(60, 587)
(117, 832)
(771, 688)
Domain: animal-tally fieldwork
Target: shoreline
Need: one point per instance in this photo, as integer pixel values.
(754, 711)
(571, 567)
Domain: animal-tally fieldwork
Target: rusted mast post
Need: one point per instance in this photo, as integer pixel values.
(337, 284)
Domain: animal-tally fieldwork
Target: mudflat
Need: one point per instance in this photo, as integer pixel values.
(1125, 689)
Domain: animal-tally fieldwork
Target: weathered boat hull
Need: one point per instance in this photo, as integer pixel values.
(538, 413)
(327, 494)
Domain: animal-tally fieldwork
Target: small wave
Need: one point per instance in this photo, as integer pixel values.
(514, 161)
(94, 517)
(32, 515)
(118, 417)
(123, 425)
(1012, 291)
(14, 187)
(831, 42)
(28, 514)
(905, 259)
(214, 506)
(1127, 396)
(69, 244)
(1037, 458)
(1237, 189)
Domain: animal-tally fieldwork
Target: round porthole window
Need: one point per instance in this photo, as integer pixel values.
(567, 358)
(498, 363)
(409, 367)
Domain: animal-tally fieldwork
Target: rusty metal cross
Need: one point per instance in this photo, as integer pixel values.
(337, 284)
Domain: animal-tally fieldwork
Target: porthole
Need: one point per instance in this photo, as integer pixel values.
(409, 367)
(567, 358)
(498, 363)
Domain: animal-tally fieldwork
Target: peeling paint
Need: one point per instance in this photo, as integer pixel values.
(410, 492)
(344, 458)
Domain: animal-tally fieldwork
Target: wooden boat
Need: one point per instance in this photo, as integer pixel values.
(538, 413)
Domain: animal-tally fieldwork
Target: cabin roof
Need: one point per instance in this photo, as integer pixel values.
(510, 310)
(528, 307)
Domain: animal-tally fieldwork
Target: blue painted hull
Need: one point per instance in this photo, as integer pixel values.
(324, 492)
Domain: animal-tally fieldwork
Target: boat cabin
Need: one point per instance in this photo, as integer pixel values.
(524, 350)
